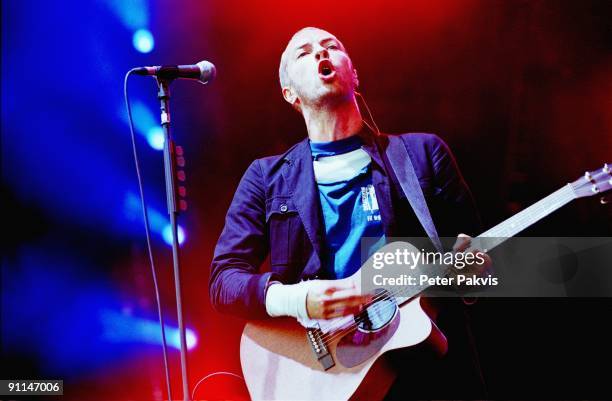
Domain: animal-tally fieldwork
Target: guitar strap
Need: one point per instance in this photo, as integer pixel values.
(400, 160)
(401, 163)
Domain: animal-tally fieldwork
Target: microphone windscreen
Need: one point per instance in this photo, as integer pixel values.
(208, 72)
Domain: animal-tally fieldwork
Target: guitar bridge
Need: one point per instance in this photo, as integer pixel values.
(314, 335)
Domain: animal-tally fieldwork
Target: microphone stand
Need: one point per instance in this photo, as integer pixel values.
(163, 95)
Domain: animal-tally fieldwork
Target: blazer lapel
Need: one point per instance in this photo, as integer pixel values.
(401, 164)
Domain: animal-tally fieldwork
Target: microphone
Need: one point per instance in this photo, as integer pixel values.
(204, 71)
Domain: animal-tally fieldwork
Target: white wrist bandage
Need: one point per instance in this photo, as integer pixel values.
(287, 299)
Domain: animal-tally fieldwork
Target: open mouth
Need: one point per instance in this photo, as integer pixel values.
(326, 69)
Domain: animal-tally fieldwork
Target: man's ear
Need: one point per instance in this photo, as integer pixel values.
(355, 78)
(291, 97)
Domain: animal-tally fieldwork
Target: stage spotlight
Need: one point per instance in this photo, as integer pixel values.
(146, 124)
(174, 340)
(155, 138)
(167, 235)
(122, 327)
(143, 41)
(158, 221)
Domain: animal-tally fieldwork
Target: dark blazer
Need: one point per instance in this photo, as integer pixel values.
(276, 212)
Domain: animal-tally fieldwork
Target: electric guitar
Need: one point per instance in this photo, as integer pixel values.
(338, 359)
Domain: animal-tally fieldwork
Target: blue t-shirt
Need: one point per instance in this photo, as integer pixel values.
(348, 201)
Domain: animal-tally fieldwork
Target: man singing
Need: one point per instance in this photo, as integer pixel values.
(309, 207)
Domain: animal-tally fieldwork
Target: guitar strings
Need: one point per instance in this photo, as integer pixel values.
(374, 306)
(563, 195)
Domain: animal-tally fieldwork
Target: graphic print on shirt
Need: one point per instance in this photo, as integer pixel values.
(343, 174)
(369, 203)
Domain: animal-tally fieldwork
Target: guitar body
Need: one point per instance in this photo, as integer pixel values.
(278, 361)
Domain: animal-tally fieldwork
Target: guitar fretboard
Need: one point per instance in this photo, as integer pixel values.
(525, 218)
(501, 232)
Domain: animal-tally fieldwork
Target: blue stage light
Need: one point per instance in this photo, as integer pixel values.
(167, 235)
(124, 328)
(134, 14)
(144, 119)
(155, 138)
(146, 124)
(143, 41)
(158, 222)
(174, 339)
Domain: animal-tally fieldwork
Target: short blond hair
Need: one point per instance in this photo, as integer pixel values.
(283, 74)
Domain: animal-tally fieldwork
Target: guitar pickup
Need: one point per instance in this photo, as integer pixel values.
(314, 335)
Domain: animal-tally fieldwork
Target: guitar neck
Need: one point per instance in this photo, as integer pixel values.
(520, 221)
(503, 231)
(592, 183)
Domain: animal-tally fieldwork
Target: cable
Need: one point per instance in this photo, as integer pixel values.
(145, 216)
(375, 128)
(221, 372)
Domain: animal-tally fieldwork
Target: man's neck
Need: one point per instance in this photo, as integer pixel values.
(326, 124)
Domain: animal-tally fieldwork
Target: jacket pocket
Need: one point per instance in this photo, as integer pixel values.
(283, 224)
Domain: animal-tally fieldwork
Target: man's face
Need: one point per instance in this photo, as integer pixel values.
(318, 68)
